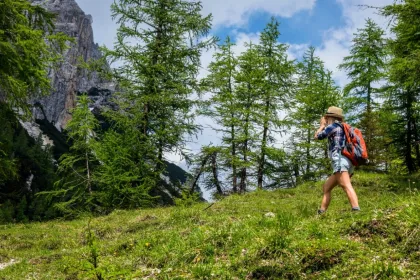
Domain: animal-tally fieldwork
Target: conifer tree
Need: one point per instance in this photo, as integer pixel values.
(123, 179)
(159, 44)
(7, 162)
(250, 82)
(365, 66)
(404, 79)
(75, 190)
(275, 94)
(316, 91)
(223, 105)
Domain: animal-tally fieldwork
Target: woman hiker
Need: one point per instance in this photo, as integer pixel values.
(330, 126)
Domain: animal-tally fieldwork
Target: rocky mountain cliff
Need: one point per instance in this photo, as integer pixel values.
(69, 79)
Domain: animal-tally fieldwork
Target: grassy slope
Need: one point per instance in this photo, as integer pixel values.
(233, 239)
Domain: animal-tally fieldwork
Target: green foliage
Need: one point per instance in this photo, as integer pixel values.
(93, 255)
(316, 91)
(403, 91)
(187, 199)
(123, 177)
(7, 162)
(222, 107)
(206, 167)
(275, 97)
(159, 44)
(21, 210)
(7, 212)
(26, 168)
(366, 66)
(28, 48)
(74, 191)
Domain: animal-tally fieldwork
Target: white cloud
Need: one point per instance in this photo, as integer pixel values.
(337, 42)
(235, 12)
(296, 51)
(225, 12)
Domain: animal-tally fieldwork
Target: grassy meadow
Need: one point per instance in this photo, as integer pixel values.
(259, 235)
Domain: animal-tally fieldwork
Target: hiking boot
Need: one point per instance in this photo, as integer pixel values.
(320, 211)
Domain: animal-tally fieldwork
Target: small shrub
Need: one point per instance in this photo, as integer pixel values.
(187, 199)
(322, 259)
(384, 270)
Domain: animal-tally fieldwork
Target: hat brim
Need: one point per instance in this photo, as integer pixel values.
(333, 115)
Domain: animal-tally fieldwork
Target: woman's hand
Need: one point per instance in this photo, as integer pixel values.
(323, 122)
(322, 125)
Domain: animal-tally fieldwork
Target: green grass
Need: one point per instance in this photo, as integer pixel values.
(233, 239)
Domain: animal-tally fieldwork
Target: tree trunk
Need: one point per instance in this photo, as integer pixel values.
(408, 158)
(263, 146)
(242, 187)
(215, 176)
(308, 151)
(197, 176)
(232, 134)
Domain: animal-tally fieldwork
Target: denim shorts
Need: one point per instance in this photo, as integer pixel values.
(340, 163)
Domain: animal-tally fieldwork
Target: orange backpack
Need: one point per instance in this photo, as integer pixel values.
(355, 147)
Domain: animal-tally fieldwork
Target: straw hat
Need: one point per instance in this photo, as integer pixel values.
(334, 112)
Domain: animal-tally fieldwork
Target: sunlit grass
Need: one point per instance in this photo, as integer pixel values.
(233, 239)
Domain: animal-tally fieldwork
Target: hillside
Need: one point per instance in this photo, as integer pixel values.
(233, 239)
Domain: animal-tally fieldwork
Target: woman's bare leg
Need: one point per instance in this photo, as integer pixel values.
(327, 188)
(343, 179)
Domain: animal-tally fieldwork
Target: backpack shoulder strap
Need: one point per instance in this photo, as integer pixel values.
(346, 128)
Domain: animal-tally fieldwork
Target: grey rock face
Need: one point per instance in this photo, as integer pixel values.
(68, 79)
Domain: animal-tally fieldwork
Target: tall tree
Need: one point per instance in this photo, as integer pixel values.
(159, 44)
(275, 94)
(316, 91)
(404, 78)
(222, 107)
(250, 81)
(75, 190)
(365, 67)
(27, 47)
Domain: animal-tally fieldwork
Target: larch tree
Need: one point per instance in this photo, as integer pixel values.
(158, 47)
(404, 79)
(76, 190)
(222, 107)
(365, 67)
(316, 91)
(250, 82)
(275, 95)
(28, 46)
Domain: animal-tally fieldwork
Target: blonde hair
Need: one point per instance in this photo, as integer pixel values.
(331, 119)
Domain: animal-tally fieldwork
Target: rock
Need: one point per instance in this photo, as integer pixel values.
(69, 79)
(270, 215)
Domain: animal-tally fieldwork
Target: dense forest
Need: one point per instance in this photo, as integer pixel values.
(265, 107)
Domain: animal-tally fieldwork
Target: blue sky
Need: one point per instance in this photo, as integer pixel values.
(304, 27)
(328, 25)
